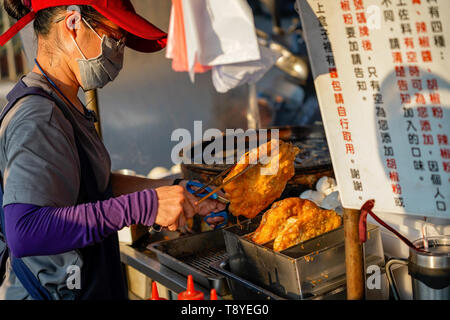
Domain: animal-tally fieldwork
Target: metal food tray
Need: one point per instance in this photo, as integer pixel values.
(192, 255)
(242, 289)
(304, 271)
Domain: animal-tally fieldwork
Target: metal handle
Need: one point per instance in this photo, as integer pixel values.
(390, 276)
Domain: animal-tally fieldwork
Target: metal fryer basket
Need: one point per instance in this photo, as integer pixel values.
(310, 269)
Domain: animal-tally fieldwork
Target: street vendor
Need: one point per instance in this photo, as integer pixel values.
(62, 207)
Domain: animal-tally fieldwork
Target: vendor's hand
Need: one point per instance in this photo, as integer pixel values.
(206, 207)
(171, 207)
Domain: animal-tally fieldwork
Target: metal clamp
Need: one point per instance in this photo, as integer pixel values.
(156, 228)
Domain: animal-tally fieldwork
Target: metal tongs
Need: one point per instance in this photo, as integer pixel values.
(217, 189)
(223, 173)
(202, 188)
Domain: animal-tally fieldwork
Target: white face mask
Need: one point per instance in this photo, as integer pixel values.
(97, 72)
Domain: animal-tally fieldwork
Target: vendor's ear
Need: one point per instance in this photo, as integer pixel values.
(72, 22)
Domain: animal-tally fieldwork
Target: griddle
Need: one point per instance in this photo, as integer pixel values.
(314, 153)
(192, 255)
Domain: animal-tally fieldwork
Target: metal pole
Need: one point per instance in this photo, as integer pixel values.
(253, 117)
(354, 257)
(92, 104)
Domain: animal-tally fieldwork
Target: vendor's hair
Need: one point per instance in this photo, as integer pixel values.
(45, 18)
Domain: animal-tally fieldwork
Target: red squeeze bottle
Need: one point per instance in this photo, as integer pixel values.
(155, 295)
(190, 293)
(213, 294)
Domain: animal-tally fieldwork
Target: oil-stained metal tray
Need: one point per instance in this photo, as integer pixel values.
(192, 255)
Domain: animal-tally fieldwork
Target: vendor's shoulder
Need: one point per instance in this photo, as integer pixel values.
(34, 108)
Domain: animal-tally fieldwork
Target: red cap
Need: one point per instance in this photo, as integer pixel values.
(144, 36)
(190, 293)
(155, 295)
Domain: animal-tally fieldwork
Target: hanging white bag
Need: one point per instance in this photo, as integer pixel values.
(219, 32)
(229, 76)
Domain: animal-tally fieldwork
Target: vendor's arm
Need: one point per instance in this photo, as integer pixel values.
(33, 231)
(123, 184)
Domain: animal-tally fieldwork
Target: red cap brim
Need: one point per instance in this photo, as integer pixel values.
(143, 37)
(144, 45)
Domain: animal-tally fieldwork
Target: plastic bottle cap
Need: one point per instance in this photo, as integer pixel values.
(190, 293)
(213, 294)
(155, 295)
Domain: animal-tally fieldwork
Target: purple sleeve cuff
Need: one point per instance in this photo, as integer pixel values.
(35, 231)
(151, 217)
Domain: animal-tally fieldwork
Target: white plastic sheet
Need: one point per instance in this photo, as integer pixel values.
(229, 76)
(219, 32)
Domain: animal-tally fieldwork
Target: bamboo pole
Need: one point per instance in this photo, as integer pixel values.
(12, 71)
(26, 68)
(354, 258)
(92, 104)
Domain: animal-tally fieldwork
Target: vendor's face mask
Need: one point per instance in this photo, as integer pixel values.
(97, 72)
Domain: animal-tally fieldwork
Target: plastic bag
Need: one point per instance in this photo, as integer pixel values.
(177, 45)
(215, 32)
(230, 76)
(220, 32)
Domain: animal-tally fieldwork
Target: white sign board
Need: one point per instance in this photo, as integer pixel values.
(382, 75)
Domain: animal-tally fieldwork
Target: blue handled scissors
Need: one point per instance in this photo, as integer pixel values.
(206, 190)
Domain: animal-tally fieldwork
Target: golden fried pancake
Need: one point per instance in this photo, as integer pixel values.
(274, 219)
(310, 223)
(257, 188)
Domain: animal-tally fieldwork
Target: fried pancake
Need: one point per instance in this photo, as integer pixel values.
(264, 183)
(274, 219)
(310, 223)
